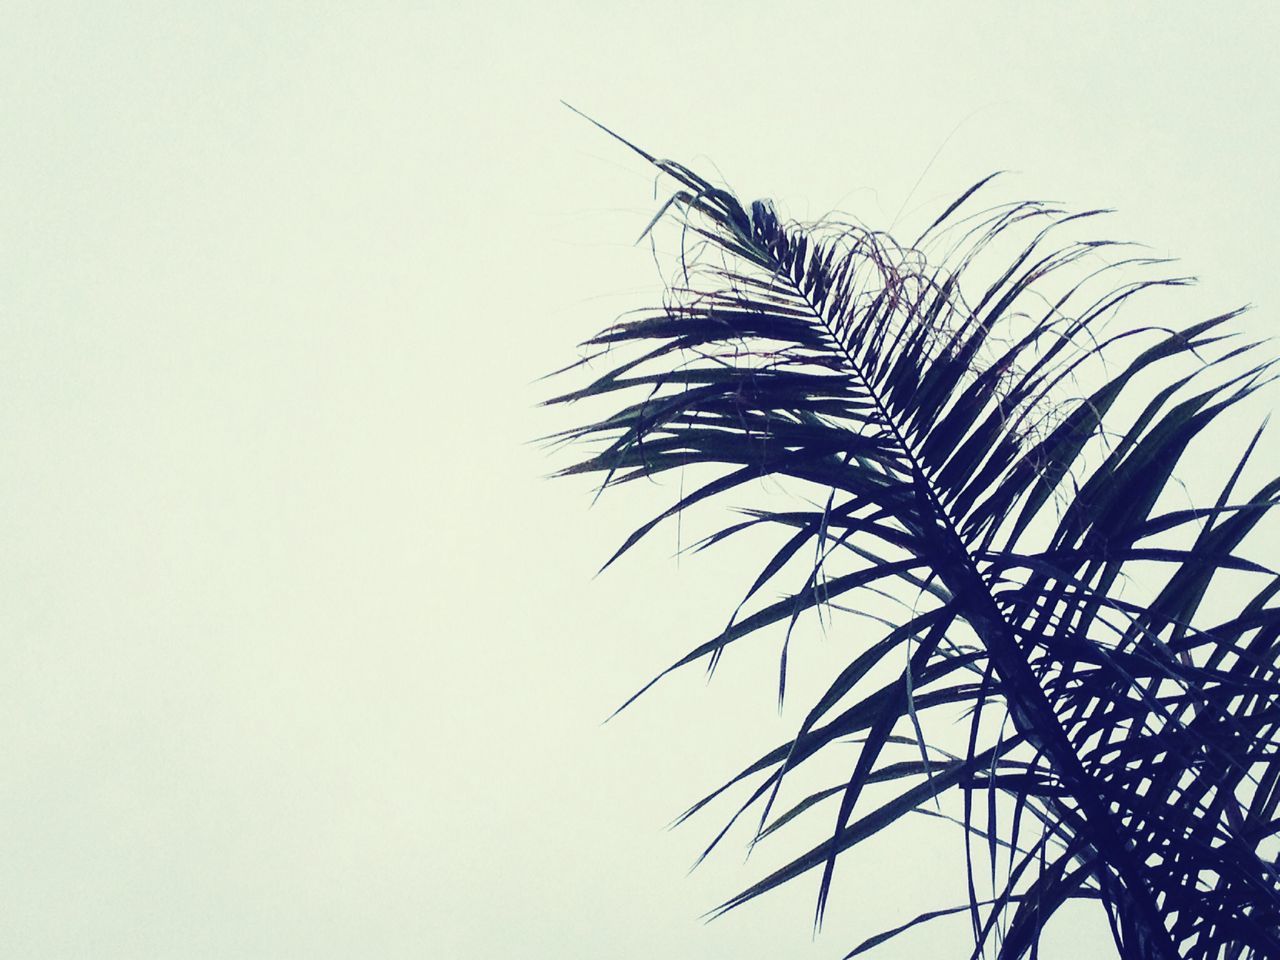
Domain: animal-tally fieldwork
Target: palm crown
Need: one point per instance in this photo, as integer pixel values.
(951, 458)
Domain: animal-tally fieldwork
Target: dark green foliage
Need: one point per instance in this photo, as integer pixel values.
(937, 426)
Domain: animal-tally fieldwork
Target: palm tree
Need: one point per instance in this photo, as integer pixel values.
(1119, 744)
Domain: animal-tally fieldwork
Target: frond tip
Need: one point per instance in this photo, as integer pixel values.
(969, 438)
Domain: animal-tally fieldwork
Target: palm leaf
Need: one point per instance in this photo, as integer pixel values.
(925, 401)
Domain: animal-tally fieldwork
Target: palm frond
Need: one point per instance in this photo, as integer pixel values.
(927, 402)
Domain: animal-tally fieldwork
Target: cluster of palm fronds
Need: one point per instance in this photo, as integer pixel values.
(950, 454)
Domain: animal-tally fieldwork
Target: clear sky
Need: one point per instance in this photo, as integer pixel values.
(300, 657)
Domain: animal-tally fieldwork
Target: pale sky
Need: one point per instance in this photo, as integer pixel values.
(300, 655)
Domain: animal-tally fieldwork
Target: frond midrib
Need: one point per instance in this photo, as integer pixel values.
(957, 568)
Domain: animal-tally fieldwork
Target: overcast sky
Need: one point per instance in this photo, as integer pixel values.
(300, 657)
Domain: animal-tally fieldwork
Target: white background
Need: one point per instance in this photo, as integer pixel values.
(300, 657)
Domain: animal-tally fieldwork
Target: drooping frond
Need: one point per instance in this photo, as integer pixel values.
(965, 430)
